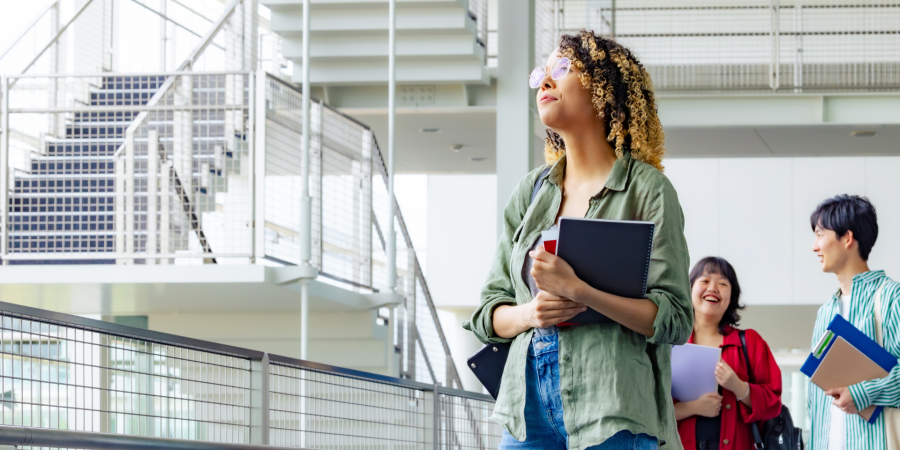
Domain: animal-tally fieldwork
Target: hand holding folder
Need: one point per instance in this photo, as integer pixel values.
(845, 356)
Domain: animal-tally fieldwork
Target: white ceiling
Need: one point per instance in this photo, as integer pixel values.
(419, 152)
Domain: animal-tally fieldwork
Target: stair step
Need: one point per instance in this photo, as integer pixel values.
(409, 47)
(341, 21)
(434, 70)
(288, 5)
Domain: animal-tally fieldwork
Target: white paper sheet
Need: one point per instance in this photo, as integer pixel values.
(694, 371)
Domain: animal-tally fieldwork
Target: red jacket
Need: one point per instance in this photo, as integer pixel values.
(765, 393)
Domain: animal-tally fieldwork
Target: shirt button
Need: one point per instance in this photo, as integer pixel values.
(566, 358)
(568, 392)
(727, 406)
(725, 442)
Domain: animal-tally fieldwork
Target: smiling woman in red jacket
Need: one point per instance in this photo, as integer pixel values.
(722, 420)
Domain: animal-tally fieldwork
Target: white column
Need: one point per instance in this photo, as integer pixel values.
(391, 235)
(515, 100)
(305, 200)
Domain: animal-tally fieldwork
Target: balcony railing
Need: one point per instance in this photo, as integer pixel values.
(111, 386)
(742, 45)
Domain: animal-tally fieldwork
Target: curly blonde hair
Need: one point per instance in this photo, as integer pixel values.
(622, 95)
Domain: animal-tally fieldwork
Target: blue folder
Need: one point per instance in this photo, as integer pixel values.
(846, 356)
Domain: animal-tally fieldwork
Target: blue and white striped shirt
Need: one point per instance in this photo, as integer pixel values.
(885, 391)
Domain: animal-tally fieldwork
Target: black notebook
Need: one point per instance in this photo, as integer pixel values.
(612, 256)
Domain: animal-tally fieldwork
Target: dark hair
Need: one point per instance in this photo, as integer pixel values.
(714, 264)
(622, 95)
(843, 213)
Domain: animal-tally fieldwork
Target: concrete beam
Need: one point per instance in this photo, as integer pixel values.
(371, 99)
(779, 109)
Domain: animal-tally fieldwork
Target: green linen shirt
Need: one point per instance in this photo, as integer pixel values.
(611, 378)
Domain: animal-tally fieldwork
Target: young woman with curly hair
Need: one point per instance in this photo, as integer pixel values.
(598, 386)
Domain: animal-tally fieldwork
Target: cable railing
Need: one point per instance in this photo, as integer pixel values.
(73, 382)
(742, 45)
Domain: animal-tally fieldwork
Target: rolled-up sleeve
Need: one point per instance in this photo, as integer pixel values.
(667, 283)
(499, 289)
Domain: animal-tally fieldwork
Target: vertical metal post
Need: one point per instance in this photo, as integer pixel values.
(391, 234)
(120, 208)
(259, 401)
(152, 170)
(305, 200)
(612, 21)
(54, 69)
(164, 216)
(305, 215)
(798, 50)
(774, 65)
(163, 33)
(436, 425)
(129, 195)
(258, 117)
(4, 166)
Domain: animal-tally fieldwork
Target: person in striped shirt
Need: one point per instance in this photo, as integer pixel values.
(846, 228)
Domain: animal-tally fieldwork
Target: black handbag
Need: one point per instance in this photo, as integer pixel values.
(778, 433)
(488, 362)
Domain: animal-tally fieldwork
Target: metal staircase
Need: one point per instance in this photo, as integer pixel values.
(69, 202)
(195, 167)
(438, 41)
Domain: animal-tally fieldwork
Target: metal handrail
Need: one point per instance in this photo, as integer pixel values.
(45, 437)
(453, 375)
(125, 331)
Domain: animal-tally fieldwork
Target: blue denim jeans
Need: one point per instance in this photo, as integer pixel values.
(543, 405)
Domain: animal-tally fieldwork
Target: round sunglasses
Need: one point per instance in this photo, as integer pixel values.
(559, 70)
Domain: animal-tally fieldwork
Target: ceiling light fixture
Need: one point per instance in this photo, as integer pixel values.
(430, 130)
(863, 133)
(456, 147)
(478, 159)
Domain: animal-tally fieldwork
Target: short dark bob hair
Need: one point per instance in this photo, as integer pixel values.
(716, 265)
(843, 213)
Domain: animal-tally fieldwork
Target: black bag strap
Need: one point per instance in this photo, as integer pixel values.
(538, 184)
(756, 436)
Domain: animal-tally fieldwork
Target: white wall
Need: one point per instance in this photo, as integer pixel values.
(755, 213)
(461, 241)
(461, 236)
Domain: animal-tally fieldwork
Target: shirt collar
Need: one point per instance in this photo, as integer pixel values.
(618, 176)
(862, 277)
(731, 337)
